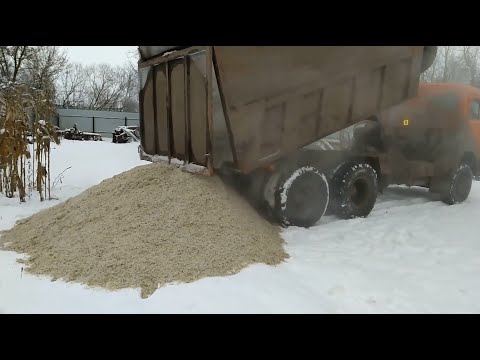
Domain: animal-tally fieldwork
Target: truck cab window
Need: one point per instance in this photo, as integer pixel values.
(475, 109)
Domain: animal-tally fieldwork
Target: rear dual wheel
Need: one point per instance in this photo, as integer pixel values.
(302, 196)
(298, 197)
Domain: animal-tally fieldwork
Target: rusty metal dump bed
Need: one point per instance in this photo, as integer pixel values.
(256, 104)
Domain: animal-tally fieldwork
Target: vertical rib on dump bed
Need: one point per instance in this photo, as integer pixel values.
(256, 104)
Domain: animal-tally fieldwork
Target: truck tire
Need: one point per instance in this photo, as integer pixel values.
(459, 186)
(354, 190)
(301, 197)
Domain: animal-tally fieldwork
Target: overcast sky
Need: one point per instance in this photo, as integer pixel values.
(114, 55)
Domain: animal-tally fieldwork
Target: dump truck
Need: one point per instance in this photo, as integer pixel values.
(251, 112)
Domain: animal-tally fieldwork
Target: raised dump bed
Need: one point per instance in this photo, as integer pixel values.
(263, 102)
(250, 107)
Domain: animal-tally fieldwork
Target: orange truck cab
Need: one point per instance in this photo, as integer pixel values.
(431, 140)
(440, 126)
(467, 110)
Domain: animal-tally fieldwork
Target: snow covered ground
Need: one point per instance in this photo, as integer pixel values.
(413, 254)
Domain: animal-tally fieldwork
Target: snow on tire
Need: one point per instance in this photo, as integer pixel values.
(302, 197)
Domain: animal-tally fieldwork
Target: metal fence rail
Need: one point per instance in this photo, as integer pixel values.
(94, 121)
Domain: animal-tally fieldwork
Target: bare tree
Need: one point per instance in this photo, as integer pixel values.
(44, 66)
(446, 51)
(131, 100)
(100, 87)
(71, 86)
(131, 82)
(470, 58)
(451, 63)
(34, 66)
(133, 58)
(106, 87)
(12, 59)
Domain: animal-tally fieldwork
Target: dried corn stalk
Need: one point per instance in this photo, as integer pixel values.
(20, 109)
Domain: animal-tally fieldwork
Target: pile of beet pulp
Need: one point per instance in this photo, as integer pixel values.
(145, 228)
